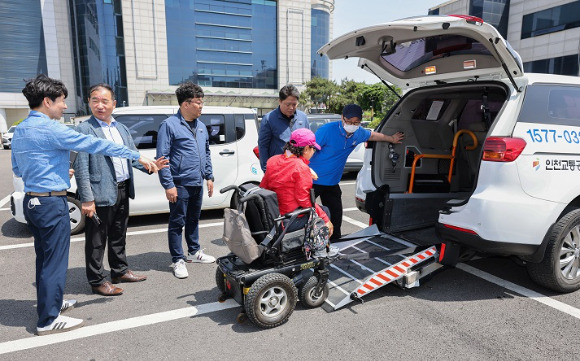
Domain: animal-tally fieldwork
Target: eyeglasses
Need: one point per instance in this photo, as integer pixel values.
(198, 102)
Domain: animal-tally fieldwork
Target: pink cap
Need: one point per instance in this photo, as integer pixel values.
(302, 137)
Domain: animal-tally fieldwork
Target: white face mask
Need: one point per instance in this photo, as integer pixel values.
(350, 128)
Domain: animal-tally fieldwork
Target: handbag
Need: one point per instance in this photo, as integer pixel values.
(238, 237)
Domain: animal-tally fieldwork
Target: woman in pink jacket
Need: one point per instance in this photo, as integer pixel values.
(290, 177)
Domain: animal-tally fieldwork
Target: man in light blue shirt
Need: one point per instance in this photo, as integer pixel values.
(105, 185)
(40, 155)
(338, 140)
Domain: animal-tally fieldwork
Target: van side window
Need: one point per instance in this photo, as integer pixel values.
(240, 125)
(551, 104)
(216, 128)
(143, 128)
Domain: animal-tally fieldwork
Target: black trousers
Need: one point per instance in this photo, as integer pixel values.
(331, 197)
(111, 233)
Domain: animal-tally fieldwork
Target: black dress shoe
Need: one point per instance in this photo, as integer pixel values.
(129, 276)
(107, 289)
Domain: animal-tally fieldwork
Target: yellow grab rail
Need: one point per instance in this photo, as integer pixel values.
(443, 156)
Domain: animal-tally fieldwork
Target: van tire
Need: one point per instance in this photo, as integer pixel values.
(563, 245)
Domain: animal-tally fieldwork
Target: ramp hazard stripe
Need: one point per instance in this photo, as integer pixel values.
(385, 276)
(394, 272)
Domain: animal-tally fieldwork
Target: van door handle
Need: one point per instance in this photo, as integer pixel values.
(227, 152)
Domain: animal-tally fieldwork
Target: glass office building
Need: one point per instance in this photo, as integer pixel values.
(320, 36)
(98, 46)
(23, 54)
(222, 43)
(494, 12)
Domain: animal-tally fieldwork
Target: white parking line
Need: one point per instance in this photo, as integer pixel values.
(134, 233)
(560, 306)
(355, 222)
(4, 200)
(113, 326)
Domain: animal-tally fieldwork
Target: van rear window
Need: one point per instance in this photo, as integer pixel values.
(411, 54)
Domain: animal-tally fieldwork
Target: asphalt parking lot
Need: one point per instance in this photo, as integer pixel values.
(486, 309)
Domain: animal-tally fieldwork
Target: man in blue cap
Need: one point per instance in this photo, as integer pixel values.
(338, 140)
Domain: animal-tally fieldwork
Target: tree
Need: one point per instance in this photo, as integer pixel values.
(318, 91)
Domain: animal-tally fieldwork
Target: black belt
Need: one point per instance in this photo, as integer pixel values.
(123, 184)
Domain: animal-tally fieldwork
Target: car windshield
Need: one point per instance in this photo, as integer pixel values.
(411, 54)
(11, 130)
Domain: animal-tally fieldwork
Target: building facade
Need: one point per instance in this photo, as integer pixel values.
(546, 33)
(240, 51)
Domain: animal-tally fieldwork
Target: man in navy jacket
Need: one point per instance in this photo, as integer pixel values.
(278, 125)
(105, 185)
(184, 140)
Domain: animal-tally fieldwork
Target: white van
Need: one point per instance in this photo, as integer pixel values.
(491, 156)
(233, 144)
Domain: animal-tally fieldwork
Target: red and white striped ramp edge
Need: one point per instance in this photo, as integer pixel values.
(390, 274)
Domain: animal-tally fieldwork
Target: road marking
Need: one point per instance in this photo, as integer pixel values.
(550, 302)
(134, 233)
(347, 183)
(4, 200)
(350, 209)
(355, 222)
(4, 209)
(114, 326)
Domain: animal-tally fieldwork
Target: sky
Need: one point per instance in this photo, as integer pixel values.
(351, 15)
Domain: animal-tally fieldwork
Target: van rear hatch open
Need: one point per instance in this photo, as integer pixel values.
(429, 50)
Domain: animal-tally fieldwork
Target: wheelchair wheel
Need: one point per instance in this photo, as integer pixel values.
(307, 296)
(220, 280)
(271, 300)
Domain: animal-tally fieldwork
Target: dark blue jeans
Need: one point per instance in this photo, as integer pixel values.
(184, 212)
(49, 222)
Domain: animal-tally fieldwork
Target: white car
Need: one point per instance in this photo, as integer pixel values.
(354, 162)
(233, 144)
(490, 159)
(7, 137)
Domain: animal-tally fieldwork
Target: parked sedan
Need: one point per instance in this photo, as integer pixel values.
(7, 137)
(355, 160)
(233, 137)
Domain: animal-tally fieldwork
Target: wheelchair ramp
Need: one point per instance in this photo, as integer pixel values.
(374, 261)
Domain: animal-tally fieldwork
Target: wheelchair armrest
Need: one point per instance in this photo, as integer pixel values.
(296, 213)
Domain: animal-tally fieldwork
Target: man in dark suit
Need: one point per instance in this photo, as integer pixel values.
(105, 185)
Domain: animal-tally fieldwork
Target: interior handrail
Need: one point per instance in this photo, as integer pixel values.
(443, 156)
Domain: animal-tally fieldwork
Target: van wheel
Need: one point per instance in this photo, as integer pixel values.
(77, 219)
(560, 268)
(271, 300)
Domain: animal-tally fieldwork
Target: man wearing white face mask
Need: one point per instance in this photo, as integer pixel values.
(338, 140)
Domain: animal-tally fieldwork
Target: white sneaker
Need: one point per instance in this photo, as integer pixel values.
(200, 257)
(67, 305)
(60, 324)
(179, 269)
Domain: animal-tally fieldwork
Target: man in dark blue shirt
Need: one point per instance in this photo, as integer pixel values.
(184, 140)
(278, 125)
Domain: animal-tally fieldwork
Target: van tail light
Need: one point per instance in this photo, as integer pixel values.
(257, 152)
(470, 19)
(370, 221)
(503, 149)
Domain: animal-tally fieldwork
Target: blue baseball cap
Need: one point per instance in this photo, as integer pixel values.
(351, 111)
